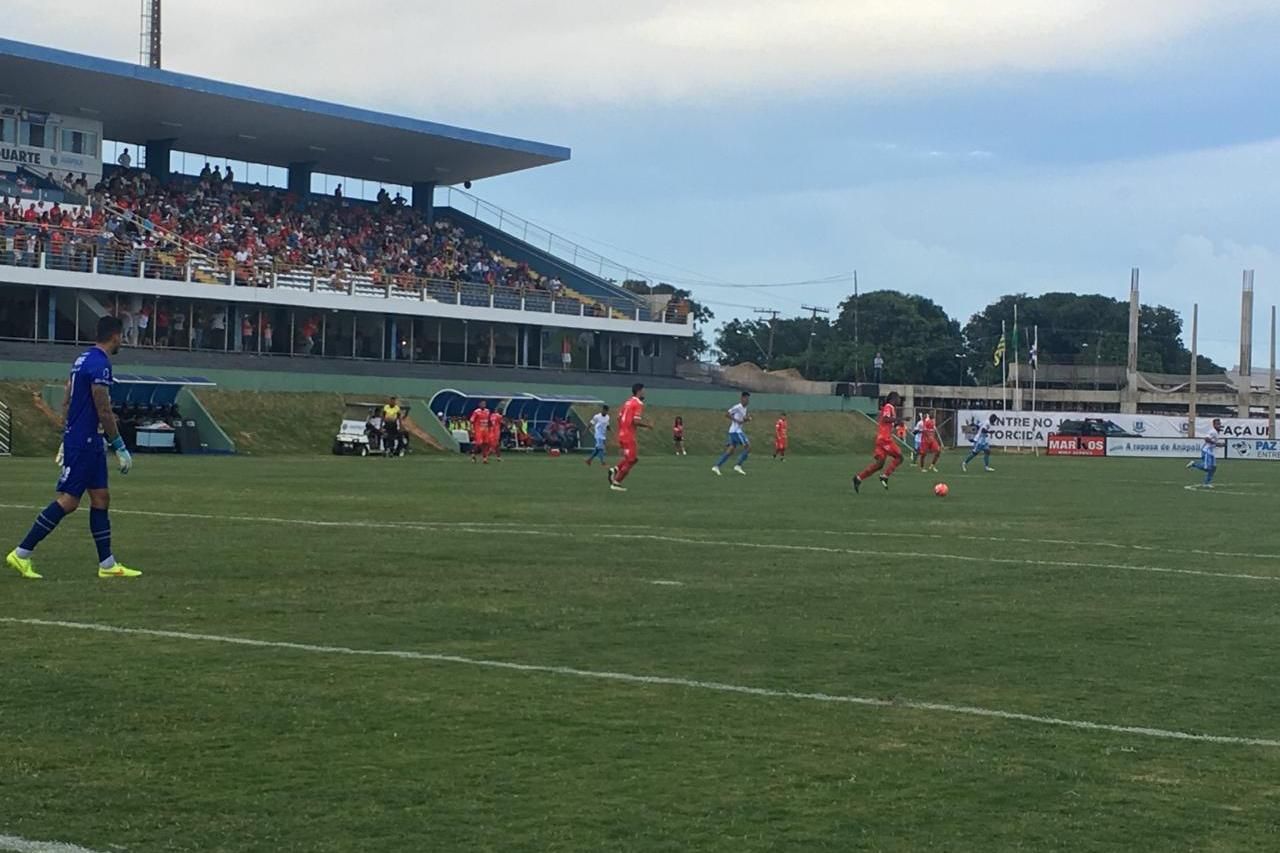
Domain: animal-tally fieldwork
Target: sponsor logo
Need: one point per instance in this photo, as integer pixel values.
(1077, 445)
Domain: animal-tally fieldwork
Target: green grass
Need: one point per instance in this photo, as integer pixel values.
(158, 744)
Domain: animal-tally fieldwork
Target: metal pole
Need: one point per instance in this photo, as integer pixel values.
(1195, 372)
(813, 330)
(1272, 386)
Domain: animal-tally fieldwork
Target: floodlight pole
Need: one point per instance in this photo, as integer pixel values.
(1272, 387)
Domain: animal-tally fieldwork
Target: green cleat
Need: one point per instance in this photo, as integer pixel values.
(119, 570)
(22, 565)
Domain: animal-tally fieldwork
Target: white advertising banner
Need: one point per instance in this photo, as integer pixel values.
(1024, 429)
(1259, 449)
(1169, 448)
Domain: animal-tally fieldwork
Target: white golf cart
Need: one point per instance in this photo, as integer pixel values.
(356, 437)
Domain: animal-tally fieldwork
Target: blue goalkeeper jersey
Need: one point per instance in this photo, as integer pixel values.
(93, 367)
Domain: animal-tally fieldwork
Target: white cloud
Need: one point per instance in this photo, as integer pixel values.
(488, 52)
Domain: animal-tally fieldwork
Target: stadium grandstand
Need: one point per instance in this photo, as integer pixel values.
(204, 260)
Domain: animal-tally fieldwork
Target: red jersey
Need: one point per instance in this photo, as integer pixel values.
(677, 430)
(884, 434)
(480, 421)
(929, 430)
(495, 422)
(780, 430)
(631, 410)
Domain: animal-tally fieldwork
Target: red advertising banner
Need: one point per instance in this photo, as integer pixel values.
(1077, 445)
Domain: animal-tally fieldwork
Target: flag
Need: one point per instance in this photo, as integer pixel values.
(1034, 358)
(998, 355)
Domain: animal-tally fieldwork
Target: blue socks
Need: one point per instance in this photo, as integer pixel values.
(44, 524)
(100, 527)
(724, 457)
(743, 457)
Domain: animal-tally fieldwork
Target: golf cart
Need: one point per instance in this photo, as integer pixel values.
(360, 432)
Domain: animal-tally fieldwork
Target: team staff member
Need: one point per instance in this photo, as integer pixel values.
(392, 434)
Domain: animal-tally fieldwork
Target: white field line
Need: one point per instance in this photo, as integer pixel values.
(14, 844)
(665, 681)
(490, 530)
(876, 534)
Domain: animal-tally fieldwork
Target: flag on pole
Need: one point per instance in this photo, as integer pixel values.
(998, 355)
(1034, 358)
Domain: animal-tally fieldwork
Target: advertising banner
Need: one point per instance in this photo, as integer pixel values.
(1077, 445)
(1168, 448)
(1023, 429)
(1260, 449)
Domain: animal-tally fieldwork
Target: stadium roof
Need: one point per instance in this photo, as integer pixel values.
(136, 104)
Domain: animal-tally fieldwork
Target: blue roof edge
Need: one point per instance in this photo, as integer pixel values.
(189, 82)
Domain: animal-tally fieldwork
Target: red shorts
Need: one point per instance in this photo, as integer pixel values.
(779, 445)
(628, 446)
(886, 448)
(481, 439)
(930, 446)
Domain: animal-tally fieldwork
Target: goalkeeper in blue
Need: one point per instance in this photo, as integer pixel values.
(86, 407)
(981, 444)
(1208, 462)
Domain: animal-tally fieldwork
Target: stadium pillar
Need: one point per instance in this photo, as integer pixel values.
(299, 182)
(424, 198)
(158, 151)
(1129, 399)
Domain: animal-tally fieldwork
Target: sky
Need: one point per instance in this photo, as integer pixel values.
(960, 150)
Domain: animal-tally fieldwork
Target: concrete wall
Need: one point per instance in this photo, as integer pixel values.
(424, 388)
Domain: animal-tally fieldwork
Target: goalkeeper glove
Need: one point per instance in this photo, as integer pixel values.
(57, 459)
(123, 456)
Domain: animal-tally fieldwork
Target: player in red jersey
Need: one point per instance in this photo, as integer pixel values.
(480, 432)
(495, 432)
(630, 419)
(929, 442)
(780, 438)
(677, 436)
(886, 446)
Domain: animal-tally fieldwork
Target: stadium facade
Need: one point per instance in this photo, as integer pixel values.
(506, 303)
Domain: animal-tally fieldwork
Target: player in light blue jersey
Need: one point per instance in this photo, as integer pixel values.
(600, 429)
(83, 456)
(1208, 462)
(981, 444)
(737, 416)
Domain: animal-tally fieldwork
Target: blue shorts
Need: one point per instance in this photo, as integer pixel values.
(738, 439)
(981, 446)
(1208, 460)
(82, 468)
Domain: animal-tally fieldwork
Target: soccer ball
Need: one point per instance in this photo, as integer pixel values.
(941, 490)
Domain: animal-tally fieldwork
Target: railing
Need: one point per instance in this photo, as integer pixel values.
(85, 251)
(539, 237)
(6, 430)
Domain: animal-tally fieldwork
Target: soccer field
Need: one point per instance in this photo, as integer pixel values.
(424, 654)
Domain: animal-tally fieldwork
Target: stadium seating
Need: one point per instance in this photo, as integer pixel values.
(266, 237)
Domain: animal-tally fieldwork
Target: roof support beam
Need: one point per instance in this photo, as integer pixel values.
(158, 151)
(299, 182)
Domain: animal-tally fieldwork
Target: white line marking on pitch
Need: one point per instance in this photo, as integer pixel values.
(664, 681)
(486, 525)
(469, 527)
(667, 583)
(25, 845)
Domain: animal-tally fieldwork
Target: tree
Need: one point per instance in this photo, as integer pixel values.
(1077, 328)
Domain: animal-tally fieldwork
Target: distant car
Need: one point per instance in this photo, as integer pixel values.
(1094, 426)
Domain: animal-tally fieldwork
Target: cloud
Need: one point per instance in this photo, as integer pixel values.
(493, 52)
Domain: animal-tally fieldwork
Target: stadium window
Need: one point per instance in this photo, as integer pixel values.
(8, 130)
(79, 142)
(31, 135)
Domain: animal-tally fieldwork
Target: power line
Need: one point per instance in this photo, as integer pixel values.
(813, 330)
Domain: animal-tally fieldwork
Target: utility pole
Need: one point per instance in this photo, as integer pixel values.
(773, 319)
(855, 308)
(813, 330)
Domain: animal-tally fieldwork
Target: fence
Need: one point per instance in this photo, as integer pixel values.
(6, 430)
